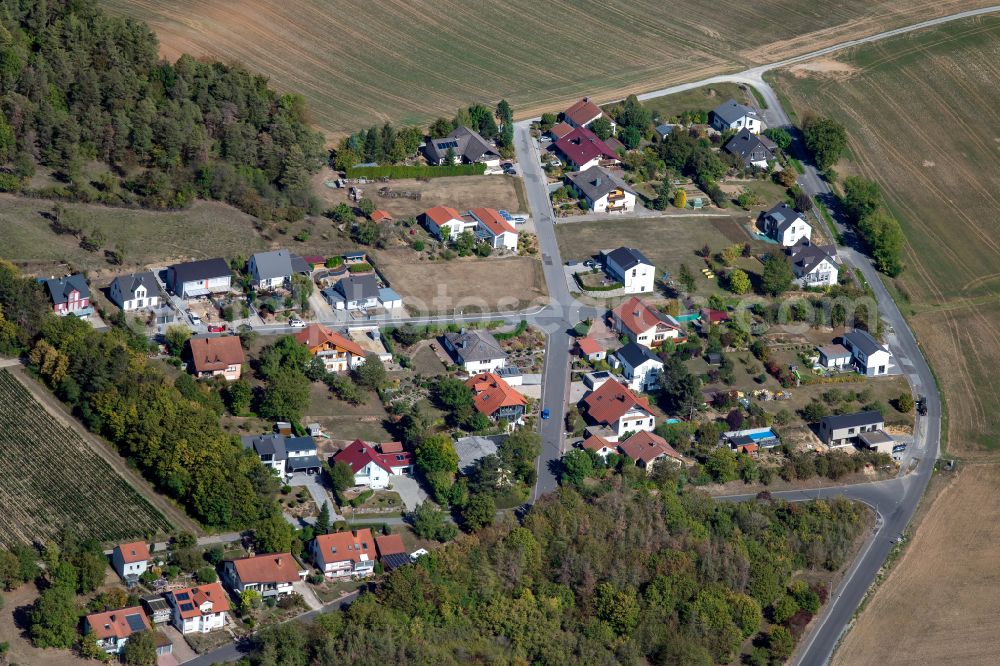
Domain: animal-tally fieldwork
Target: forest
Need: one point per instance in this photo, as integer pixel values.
(79, 87)
(629, 570)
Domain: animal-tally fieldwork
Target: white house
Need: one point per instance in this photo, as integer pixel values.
(871, 357)
(198, 609)
(755, 149)
(492, 228)
(439, 218)
(834, 357)
(270, 270)
(345, 554)
(645, 325)
(845, 429)
(603, 191)
(285, 455)
(112, 629)
(373, 465)
(135, 291)
(354, 292)
(733, 115)
(475, 350)
(630, 267)
(130, 560)
(272, 575)
(466, 145)
(582, 149)
(815, 265)
(584, 112)
(199, 278)
(785, 225)
(615, 409)
(640, 367)
(598, 445)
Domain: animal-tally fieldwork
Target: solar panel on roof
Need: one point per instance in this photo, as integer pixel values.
(187, 607)
(135, 622)
(182, 595)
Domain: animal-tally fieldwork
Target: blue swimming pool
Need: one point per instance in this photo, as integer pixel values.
(767, 434)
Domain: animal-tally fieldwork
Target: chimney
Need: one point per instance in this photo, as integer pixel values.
(597, 181)
(586, 99)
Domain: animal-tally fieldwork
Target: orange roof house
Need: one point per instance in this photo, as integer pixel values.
(338, 352)
(381, 216)
(391, 551)
(345, 553)
(582, 113)
(217, 356)
(495, 398)
(598, 445)
(492, 220)
(271, 574)
(645, 325)
(113, 628)
(615, 407)
(445, 217)
(199, 609)
(645, 448)
(591, 349)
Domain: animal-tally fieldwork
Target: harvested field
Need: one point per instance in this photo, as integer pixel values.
(360, 63)
(207, 229)
(463, 285)
(940, 603)
(926, 105)
(461, 192)
(51, 479)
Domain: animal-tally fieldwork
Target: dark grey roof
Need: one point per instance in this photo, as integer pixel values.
(273, 264)
(357, 287)
(855, 420)
(664, 129)
(302, 462)
(155, 602)
(395, 560)
(305, 443)
(782, 216)
(635, 355)
(628, 257)
(466, 143)
(472, 448)
(596, 182)
(127, 284)
(751, 147)
(135, 622)
(730, 111)
(863, 341)
(199, 270)
(476, 345)
(267, 445)
(60, 288)
(300, 265)
(806, 256)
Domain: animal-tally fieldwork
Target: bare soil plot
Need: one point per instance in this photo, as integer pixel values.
(20, 650)
(412, 61)
(463, 285)
(940, 603)
(921, 117)
(344, 421)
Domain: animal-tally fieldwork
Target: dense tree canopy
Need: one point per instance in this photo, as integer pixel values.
(79, 85)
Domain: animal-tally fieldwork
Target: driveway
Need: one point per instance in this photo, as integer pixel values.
(308, 596)
(409, 490)
(319, 494)
(182, 651)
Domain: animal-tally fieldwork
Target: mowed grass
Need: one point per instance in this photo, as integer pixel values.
(51, 480)
(360, 62)
(207, 229)
(699, 99)
(923, 120)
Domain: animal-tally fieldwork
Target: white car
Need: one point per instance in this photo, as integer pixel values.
(195, 319)
(296, 323)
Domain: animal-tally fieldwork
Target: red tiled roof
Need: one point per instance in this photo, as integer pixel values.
(359, 453)
(380, 215)
(715, 316)
(391, 447)
(314, 260)
(638, 317)
(196, 596)
(272, 568)
(441, 214)
(589, 345)
(113, 624)
(316, 336)
(611, 401)
(559, 130)
(492, 393)
(581, 146)
(341, 546)
(596, 443)
(492, 220)
(137, 551)
(211, 354)
(647, 447)
(583, 111)
(391, 544)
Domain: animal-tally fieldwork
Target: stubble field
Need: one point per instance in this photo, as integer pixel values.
(922, 116)
(360, 62)
(940, 603)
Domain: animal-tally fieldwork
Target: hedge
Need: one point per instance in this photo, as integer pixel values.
(416, 171)
(605, 287)
(522, 326)
(359, 268)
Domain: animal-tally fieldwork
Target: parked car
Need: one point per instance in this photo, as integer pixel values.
(216, 328)
(545, 414)
(195, 319)
(590, 263)
(520, 219)
(296, 323)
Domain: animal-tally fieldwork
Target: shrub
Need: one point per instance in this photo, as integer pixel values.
(402, 171)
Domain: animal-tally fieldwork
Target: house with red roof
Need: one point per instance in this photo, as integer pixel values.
(495, 398)
(344, 554)
(130, 560)
(559, 130)
(584, 112)
(372, 464)
(439, 218)
(492, 228)
(391, 551)
(380, 215)
(615, 410)
(599, 445)
(583, 149)
(271, 575)
(645, 325)
(212, 357)
(647, 449)
(198, 609)
(337, 352)
(591, 349)
(112, 629)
